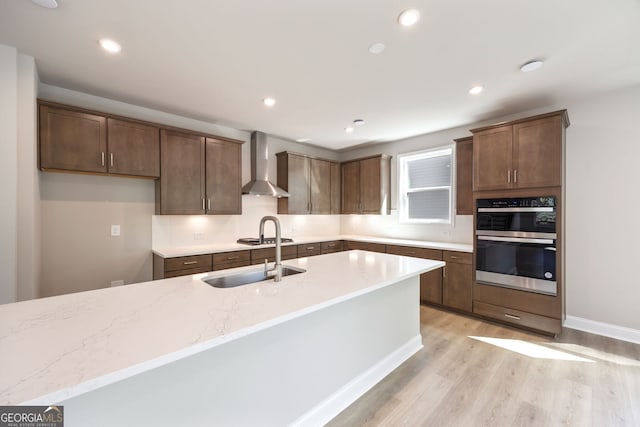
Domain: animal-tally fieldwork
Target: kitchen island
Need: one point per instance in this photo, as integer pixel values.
(180, 352)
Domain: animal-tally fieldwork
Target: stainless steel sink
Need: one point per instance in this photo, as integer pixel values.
(247, 277)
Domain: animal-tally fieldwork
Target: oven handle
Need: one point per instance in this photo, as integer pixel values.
(540, 209)
(516, 240)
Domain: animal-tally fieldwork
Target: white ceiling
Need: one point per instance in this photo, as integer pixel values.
(215, 60)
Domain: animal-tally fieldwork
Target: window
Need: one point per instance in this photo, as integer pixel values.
(425, 181)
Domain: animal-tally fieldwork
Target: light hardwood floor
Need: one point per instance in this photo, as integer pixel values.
(456, 380)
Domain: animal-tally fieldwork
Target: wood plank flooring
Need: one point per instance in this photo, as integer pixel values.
(456, 380)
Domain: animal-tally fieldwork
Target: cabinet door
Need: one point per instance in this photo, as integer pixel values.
(320, 186)
(71, 140)
(335, 188)
(464, 177)
(181, 185)
(538, 153)
(134, 149)
(370, 181)
(431, 287)
(293, 176)
(223, 167)
(457, 286)
(492, 157)
(351, 187)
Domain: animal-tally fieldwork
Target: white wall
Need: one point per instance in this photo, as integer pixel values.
(602, 205)
(28, 181)
(8, 174)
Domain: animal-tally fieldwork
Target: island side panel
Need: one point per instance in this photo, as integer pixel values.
(303, 371)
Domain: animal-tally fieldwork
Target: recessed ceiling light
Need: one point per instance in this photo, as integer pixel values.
(269, 102)
(110, 45)
(348, 129)
(358, 122)
(409, 17)
(303, 140)
(531, 65)
(476, 90)
(49, 4)
(376, 48)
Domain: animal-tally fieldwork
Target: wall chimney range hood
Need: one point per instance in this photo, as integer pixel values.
(259, 184)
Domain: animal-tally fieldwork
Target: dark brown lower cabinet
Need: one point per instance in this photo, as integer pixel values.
(431, 287)
(457, 280)
(286, 252)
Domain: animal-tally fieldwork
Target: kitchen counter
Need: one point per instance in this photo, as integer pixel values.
(60, 347)
(227, 247)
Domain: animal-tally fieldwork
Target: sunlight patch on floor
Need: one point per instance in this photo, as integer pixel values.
(532, 350)
(597, 354)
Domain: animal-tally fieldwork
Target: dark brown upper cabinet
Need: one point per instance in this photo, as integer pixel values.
(526, 153)
(310, 183)
(199, 175)
(72, 140)
(464, 176)
(134, 148)
(365, 185)
(82, 141)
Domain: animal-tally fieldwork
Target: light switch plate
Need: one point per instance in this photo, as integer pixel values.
(115, 230)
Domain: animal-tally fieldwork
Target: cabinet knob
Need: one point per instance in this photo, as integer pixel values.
(111, 159)
(515, 175)
(509, 176)
(102, 158)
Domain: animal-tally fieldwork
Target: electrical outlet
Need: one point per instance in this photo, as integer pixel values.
(115, 230)
(198, 235)
(117, 283)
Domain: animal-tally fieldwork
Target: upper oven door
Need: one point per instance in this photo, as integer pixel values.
(523, 215)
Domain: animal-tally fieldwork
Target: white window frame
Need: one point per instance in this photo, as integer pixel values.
(403, 190)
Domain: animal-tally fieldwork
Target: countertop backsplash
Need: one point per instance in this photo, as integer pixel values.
(194, 230)
(181, 230)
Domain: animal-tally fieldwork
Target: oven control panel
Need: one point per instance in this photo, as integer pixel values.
(520, 202)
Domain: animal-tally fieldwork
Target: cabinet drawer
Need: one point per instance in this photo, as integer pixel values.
(187, 262)
(232, 259)
(415, 252)
(186, 272)
(364, 246)
(310, 249)
(459, 257)
(259, 255)
(517, 317)
(330, 247)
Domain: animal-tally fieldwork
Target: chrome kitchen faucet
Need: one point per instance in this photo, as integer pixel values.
(277, 268)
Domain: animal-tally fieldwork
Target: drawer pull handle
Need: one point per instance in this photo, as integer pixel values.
(332, 245)
(453, 257)
(411, 253)
(229, 258)
(189, 262)
(310, 248)
(511, 316)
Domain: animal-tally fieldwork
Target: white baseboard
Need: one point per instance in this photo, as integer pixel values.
(349, 393)
(600, 328)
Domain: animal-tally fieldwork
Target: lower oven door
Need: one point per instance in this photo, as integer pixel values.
(517, 263)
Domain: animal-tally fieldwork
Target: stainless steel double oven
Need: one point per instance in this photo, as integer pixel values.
(516, 243)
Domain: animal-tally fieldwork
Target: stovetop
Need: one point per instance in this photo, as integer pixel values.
(252, 241)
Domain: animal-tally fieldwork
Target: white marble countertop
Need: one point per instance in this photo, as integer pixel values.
(60, 347)
(226, 247)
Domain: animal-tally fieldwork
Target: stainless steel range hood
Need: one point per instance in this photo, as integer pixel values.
(259, 184)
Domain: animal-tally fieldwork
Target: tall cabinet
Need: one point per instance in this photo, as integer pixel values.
(523, 158)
